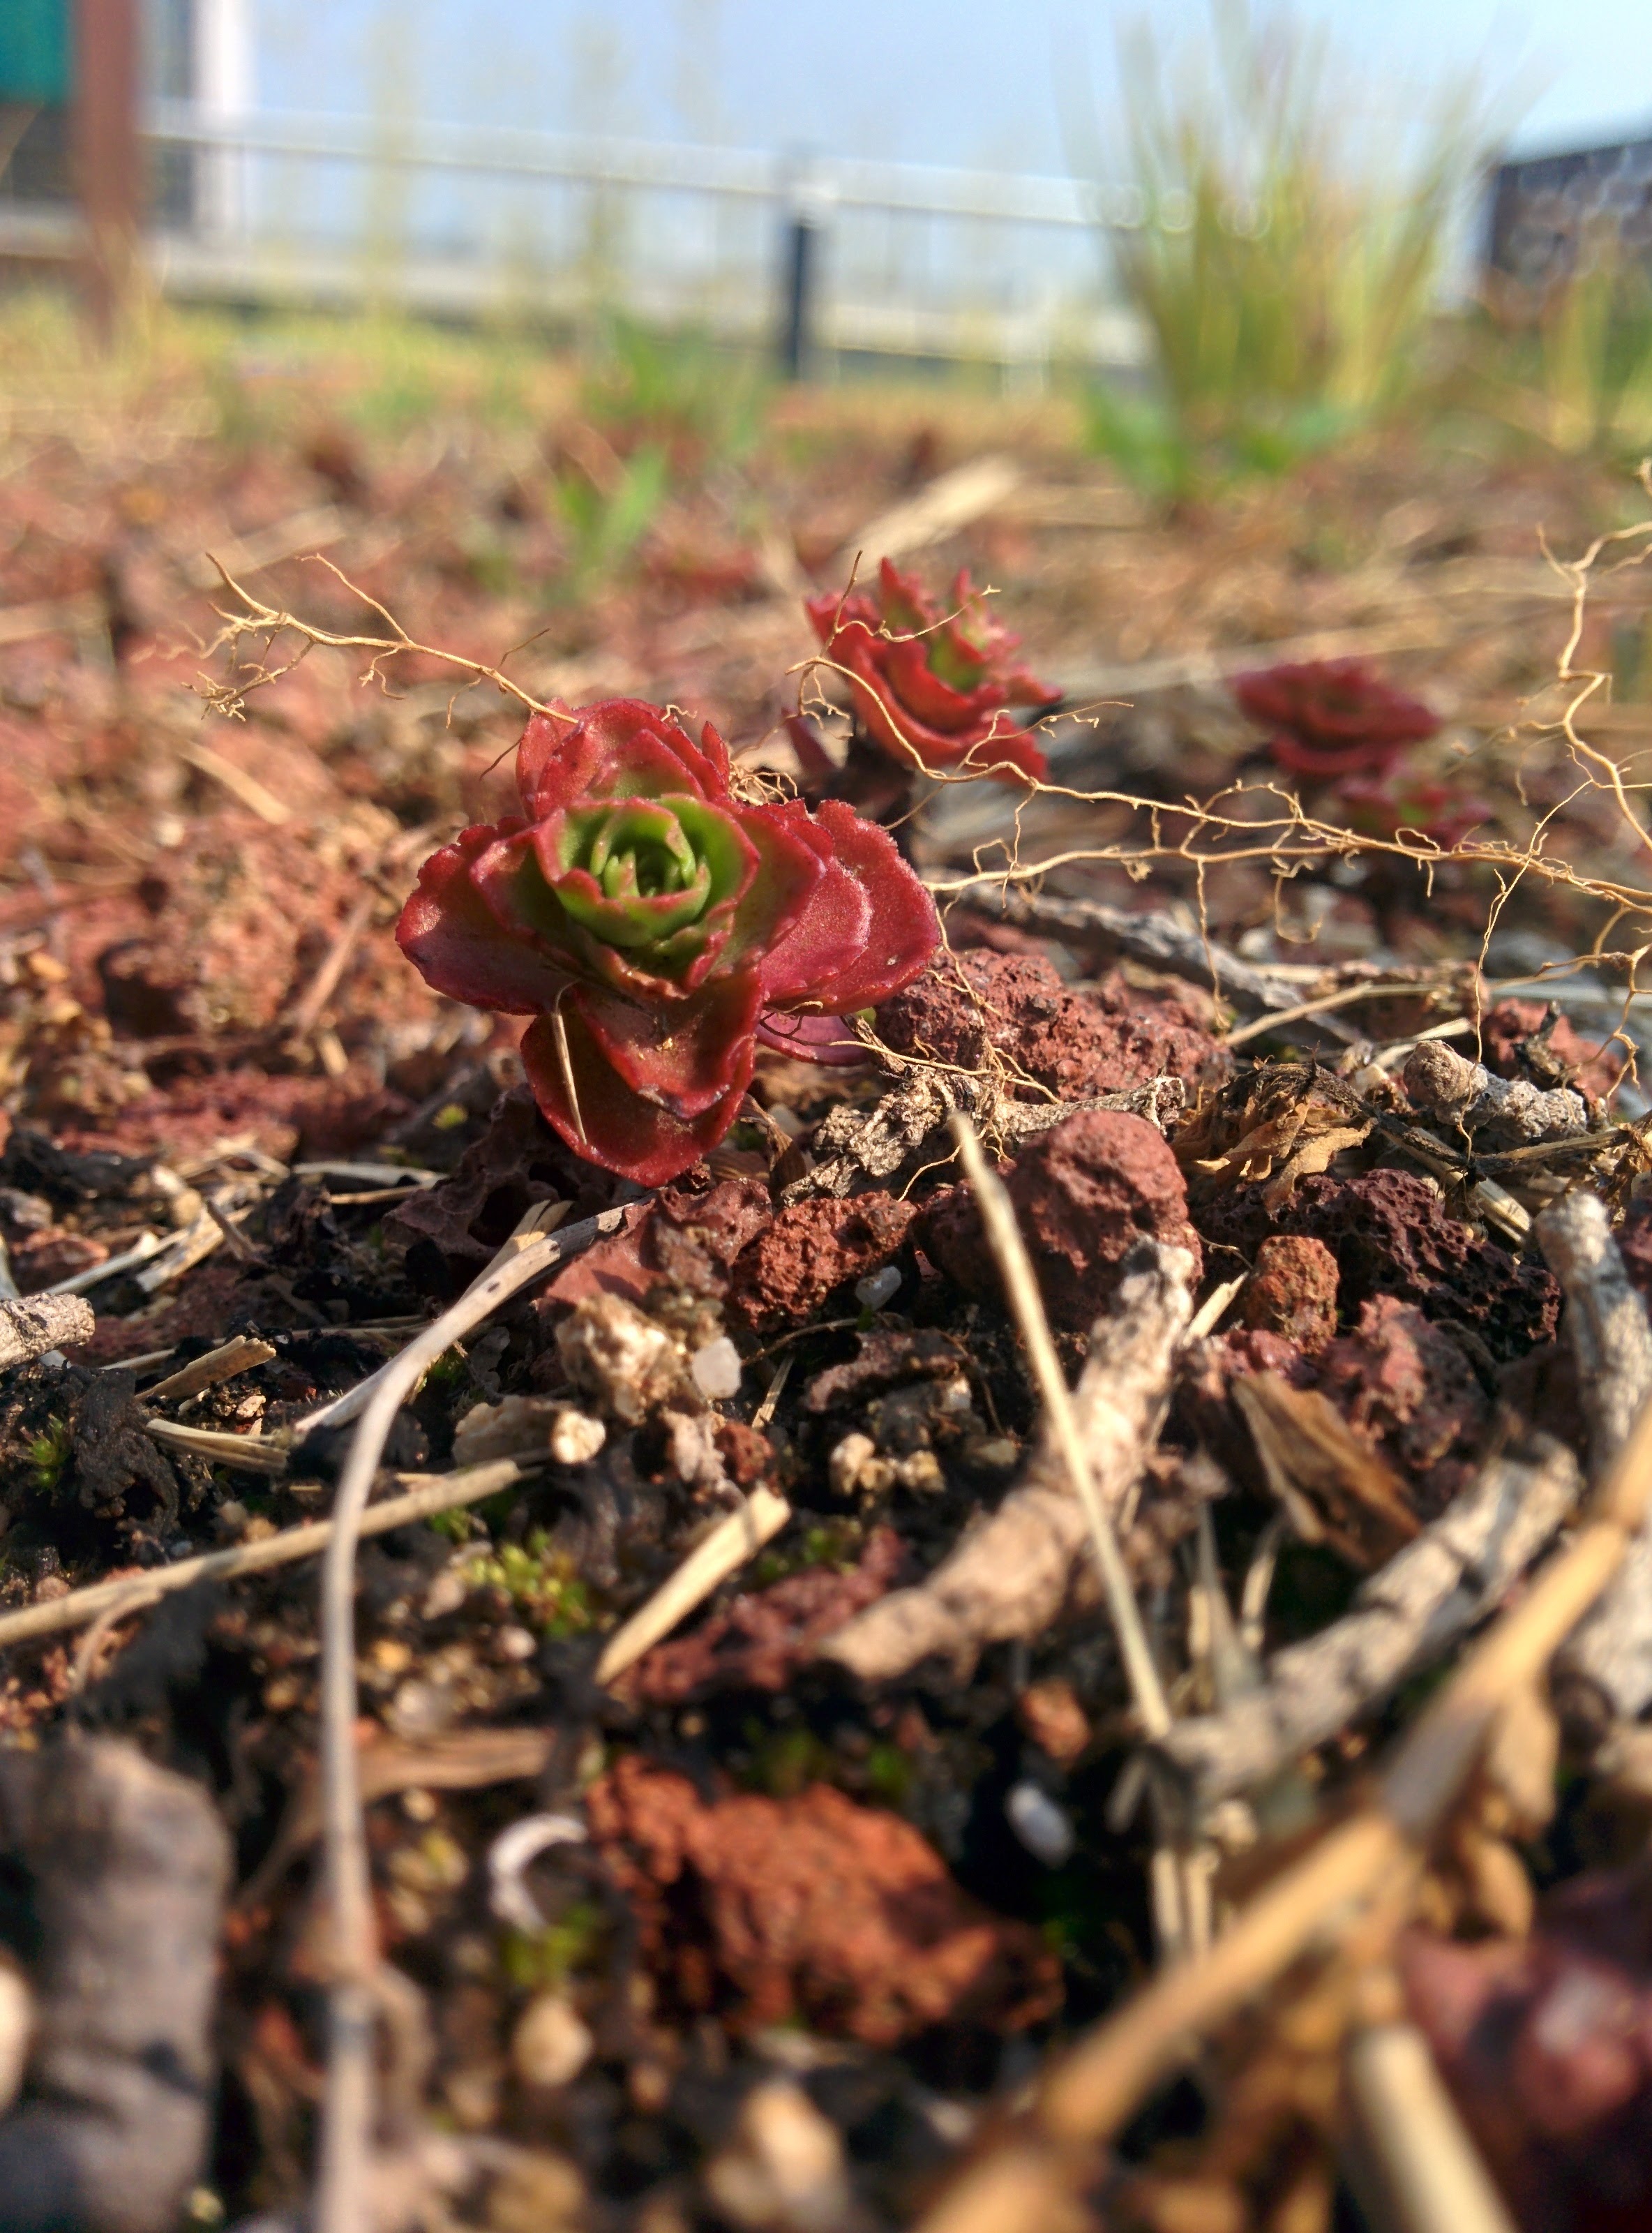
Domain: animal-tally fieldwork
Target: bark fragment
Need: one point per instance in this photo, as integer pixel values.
(35, 1324)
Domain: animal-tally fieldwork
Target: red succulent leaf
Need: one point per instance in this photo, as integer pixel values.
(612, 1126)
(452, 934)
(1332, 717)
(931, 682)
(651, 924)
(1396, 807)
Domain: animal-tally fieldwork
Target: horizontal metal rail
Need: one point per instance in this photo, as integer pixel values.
(499, 152)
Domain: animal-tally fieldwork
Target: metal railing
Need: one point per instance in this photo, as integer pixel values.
(909, 260)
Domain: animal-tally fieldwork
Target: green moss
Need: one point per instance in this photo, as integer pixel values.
(542, 1584)
(835, 1543)
(48, 1452)
(537, 1961)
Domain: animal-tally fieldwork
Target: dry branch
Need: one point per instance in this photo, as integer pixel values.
(1018, 1570)
(1404, 1618)
(1032, 2167)
(36, 1325)
(348, 2105)
(1607, 1666)
(430, 1494)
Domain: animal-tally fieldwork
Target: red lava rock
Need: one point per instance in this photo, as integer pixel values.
(1406, 1385)
(45, 1257)
(810, 1908)
(1547, 2046)
(1392, 1234)
(1293, 1290)
(1085, 1192)
(786, 1274)
(762, 1638)
(1103, 1040)
(696, 1231)
(1595, 1067)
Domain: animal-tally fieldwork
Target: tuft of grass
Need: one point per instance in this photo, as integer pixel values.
(1575, 369)
(1287, 285)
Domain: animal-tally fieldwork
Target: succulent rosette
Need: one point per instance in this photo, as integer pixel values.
(652, 925)
(1333, 717)
(931, 682)
(1400, 808)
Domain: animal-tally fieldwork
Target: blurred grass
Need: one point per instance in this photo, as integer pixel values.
(1288, 282)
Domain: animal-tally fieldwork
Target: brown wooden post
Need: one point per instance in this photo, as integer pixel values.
(108, 170)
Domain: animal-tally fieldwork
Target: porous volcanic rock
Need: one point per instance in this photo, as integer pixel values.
(1407, 1386)
(1293, 1290)
(787, 1271)
(810, 1907)
(1392, 1234)
(1103, 1040)
(1589, 1065)
(1085, 1192)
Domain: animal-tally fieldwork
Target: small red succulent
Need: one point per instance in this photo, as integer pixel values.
(930, 683)
(1397, 806)
(652, 925)
(1332, 717)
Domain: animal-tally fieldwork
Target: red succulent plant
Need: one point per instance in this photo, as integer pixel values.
(931, 682)
(1333, 717)
(1400, 806)
(651, 924)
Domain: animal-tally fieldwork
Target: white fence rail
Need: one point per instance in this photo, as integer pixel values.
(908, 261)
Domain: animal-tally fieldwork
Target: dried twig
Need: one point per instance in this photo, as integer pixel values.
(1405, 1616)
(1605, 1670)
(240, 1354)
(734, 1539)
(1013, 1574)
(1033, 2164)
(1417, 2171)
(442, 1492)
(36, 1325)
(340, 2199)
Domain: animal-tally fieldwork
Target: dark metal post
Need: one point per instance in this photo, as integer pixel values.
(799, 271)
(109, 171)
(799, 276)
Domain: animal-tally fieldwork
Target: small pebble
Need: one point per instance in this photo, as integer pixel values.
(1043, 1828)
(552, 2043)
(514, 1642)
(576, 1437)
(878, 1288)
(716, 1369)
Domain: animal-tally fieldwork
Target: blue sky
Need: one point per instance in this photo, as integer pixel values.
(999, 83)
